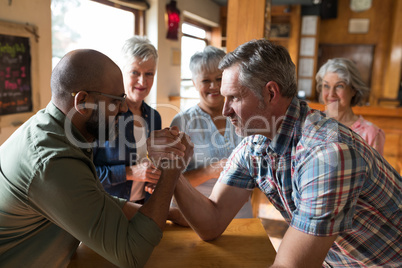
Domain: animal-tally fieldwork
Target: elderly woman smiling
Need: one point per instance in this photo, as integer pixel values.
(122, 165)
(341, 87)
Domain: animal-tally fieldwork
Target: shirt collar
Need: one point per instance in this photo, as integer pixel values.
(261, 145)
(283, 138)
(62, 120)
(145, 110)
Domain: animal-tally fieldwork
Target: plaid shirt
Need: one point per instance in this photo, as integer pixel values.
(326, 180)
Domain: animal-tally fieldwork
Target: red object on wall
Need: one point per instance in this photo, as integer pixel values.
(173, 15)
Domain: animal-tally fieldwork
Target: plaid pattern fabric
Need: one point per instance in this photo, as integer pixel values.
(326, 180)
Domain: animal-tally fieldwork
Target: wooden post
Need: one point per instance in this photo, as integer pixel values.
(245, 22)
(393, 73)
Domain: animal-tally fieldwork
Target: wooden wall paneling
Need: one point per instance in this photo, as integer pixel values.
(316, 67)
(293, 44)
(393, 70)
(216, 37)
(245, 21)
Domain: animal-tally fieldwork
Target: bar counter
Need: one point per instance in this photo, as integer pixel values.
(243, 244)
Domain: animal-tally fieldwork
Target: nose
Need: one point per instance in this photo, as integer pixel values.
(215, 84)
(332, 91)
(227, 109)
(141, 79)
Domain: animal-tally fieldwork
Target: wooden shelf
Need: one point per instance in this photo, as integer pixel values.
(279, 38)
(281, 10)
(291, 15)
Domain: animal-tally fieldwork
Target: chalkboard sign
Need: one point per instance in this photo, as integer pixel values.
(19, 73)
(15, 75)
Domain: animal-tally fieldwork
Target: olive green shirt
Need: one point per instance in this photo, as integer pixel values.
(51, 198)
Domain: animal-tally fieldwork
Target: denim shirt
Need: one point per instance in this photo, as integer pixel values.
(112, 157)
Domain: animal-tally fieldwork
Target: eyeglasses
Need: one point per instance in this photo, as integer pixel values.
(122, 99)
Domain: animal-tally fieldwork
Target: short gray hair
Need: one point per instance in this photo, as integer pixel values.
(261, 61)
(207, 60)
(137, 47)
(348, 72)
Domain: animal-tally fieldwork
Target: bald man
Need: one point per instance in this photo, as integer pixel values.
(50, 196)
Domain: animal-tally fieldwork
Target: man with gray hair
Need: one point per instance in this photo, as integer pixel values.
(340, 197)
(51, 197)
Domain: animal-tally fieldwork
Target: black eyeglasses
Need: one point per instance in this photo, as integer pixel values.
(122, 99)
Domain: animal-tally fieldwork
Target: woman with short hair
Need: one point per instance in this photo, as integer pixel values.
(341, 87)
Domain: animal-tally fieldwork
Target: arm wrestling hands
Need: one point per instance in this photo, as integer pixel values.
(169, 148)
(170, 151)
(165, 147)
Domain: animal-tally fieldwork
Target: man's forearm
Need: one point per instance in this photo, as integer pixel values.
(197, 176)
(157, 206)
(200, 175)
(199, 211)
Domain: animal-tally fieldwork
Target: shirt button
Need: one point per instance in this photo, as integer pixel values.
(89, 150)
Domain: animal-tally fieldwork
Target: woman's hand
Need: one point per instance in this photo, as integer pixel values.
(144, 171)
(150, 188)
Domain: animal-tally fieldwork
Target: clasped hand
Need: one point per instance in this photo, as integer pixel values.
(169, 148)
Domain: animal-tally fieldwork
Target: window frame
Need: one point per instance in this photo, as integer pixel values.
(139, 15)
(206, 28)
(207, 39)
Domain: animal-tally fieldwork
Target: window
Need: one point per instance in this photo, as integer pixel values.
(194, 39)
(90, 24)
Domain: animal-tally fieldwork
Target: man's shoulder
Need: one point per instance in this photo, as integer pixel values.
(38, 142)
(323, 135)
(45, 136)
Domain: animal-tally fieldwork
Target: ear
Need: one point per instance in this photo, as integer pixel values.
(354, 91)
(271, 91)
(192, 80)
(80, 99)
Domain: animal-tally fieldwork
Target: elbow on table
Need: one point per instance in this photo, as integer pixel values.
(209, 235)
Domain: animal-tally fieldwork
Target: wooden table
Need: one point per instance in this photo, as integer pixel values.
(243, 244)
